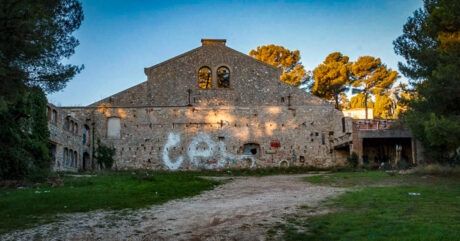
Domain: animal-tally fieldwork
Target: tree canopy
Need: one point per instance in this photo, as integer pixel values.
(430, 43)
(372, 76)
(331, 78)
(35, 36)
(282, 58)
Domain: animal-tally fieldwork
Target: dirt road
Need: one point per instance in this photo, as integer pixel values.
(242, 209)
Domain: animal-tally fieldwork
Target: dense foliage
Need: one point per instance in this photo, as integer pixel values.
(332, 78)
(35, 36)
(372, 76)
(282, 58)
(430, 43)
(104, 155)
(369, 75)
(24, 136)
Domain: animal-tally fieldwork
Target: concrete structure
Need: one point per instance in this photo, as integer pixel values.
(214, 107)
(377, 141)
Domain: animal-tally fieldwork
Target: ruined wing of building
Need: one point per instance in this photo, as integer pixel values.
(209, 108)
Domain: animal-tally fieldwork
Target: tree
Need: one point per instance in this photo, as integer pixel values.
(358, 101)
(383, 107)
(430, 43)
(24, 136)
(344, 101)
(35, 36)
(331, 78)
(372, 76)
(402, 96)
(282, 58)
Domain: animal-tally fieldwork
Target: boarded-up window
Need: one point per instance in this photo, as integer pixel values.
(113, 127)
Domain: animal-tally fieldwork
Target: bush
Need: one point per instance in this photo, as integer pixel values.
(104, 155)
(353, 160)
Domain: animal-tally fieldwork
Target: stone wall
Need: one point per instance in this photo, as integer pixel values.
(221, 137)
(169, 122)
(70, 141)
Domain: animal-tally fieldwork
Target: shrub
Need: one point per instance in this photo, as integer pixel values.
(104, 155)
(353, 160)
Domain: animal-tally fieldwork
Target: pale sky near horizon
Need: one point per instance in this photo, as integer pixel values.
(119, 38)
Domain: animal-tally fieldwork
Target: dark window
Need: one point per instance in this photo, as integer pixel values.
(205, 78)
(54, 116)
(251, 149)
(223, 77)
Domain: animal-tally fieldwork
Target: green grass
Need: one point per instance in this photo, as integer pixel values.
(349, 179)
(381, 208)
(116, 190)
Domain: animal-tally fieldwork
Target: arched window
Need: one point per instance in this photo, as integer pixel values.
(86, 137)
(223, 77)
(66, 124)
(54, 116)
(75, 129)
(75, 162)
(65, 156)
(205, 78)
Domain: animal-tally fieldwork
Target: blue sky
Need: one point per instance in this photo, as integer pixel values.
(119, 38)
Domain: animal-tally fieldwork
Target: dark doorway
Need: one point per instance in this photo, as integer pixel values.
(86, 161)
(387, 150)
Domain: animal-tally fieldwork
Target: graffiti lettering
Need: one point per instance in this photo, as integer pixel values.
(203, 152)
(173, 139)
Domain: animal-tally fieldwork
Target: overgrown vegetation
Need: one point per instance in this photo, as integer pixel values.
(353, 160)
(113, 190)
(35, 37)
(24, 136)
(381, 207)
(104, 155)
(430, 43)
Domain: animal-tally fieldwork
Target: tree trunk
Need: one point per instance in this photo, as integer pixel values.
(365, 103)
(336, 97)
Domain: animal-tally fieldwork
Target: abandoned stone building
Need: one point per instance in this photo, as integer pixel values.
(212, 107)
(70, 141)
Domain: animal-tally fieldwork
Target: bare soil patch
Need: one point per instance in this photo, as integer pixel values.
(243, 208)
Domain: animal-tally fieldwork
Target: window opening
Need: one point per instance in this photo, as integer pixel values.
(205, 78)
(251, 149)
(54, 116)
(223, 77)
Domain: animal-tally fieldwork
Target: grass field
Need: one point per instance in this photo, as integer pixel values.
(23, 208)
(382, 207)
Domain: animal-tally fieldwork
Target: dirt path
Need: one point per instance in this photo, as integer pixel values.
(242, 209)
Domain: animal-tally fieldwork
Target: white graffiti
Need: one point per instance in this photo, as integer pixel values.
(173, 139)
(203, 153)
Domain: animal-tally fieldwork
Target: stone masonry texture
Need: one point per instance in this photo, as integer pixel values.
(168, 122)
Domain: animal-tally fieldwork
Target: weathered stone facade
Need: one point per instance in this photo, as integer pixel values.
(70, 141)
(244, 117)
